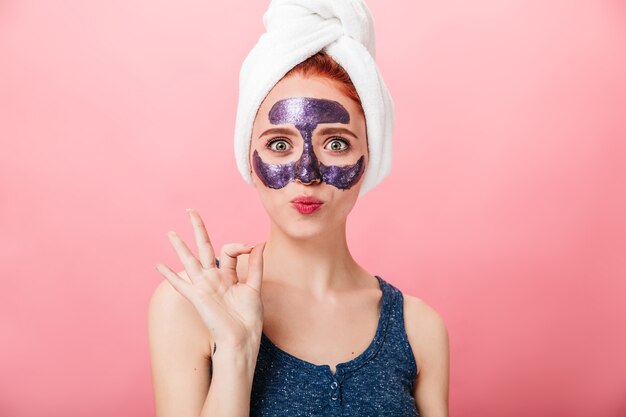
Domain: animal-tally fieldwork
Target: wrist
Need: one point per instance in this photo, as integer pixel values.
(237, 364)
(246, 342)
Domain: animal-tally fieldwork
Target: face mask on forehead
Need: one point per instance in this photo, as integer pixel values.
(305, 113)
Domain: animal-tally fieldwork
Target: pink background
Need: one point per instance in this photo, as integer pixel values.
(505, 209)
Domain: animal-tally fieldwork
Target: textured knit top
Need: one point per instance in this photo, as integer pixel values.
(378, 382)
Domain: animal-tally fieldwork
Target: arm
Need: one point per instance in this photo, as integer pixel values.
(232, 379)
(199, 308)
(430, 337)
(180, 353)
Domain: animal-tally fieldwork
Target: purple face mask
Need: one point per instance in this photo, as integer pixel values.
(305, 113)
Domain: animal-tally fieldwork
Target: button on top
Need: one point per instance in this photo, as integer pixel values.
(333, 385)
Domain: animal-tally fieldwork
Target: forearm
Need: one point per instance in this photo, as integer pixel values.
(231, 384)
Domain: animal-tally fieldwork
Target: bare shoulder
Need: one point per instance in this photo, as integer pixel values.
(179, 353)
(170, 312)
(426, 330)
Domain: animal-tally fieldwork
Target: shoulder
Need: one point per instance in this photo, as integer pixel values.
(426, 330)
(172, 317)
(180, 359)
(165, 299)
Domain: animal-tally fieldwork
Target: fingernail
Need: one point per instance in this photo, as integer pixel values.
(188, 210)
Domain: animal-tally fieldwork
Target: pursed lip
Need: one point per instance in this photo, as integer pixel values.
(303, 199)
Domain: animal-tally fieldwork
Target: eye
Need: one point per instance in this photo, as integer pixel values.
(338, 144)
(278, 145)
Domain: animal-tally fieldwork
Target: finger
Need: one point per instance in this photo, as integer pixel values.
(177, 282)
(228, 257)
(206, 254)
(189, 261)
(255, 267)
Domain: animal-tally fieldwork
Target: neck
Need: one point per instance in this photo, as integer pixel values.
(314, 264)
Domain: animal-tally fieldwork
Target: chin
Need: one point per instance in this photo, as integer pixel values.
(299, 230)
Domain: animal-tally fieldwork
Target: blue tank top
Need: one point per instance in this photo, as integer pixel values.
(378, 382)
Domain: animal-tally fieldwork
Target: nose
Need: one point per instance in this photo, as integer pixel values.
(306, 169)
(311, 182)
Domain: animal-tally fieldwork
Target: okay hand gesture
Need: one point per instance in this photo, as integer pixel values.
(230, 307)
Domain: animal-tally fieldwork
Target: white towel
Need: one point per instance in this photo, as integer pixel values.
(298, 29)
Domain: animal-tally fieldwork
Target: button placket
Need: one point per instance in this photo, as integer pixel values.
(334, 394)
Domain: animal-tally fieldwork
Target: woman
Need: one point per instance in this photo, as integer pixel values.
(272, 329)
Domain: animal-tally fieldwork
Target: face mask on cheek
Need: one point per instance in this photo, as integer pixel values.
(305, 113)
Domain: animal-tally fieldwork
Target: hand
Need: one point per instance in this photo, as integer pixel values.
(231, 308)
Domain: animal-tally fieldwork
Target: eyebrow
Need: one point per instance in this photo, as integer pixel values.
(278, 131)
(332, 130)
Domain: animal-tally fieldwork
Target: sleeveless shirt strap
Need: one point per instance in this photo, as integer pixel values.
(400, 328)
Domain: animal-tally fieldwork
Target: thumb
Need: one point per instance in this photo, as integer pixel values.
(255, 267)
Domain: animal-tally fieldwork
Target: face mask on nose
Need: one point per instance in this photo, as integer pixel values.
(305, 113)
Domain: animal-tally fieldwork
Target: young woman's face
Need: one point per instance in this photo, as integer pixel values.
(308, 140)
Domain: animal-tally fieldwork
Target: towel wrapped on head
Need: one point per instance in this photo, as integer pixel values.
(298, 29)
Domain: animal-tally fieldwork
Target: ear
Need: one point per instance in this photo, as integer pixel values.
(252, 177)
